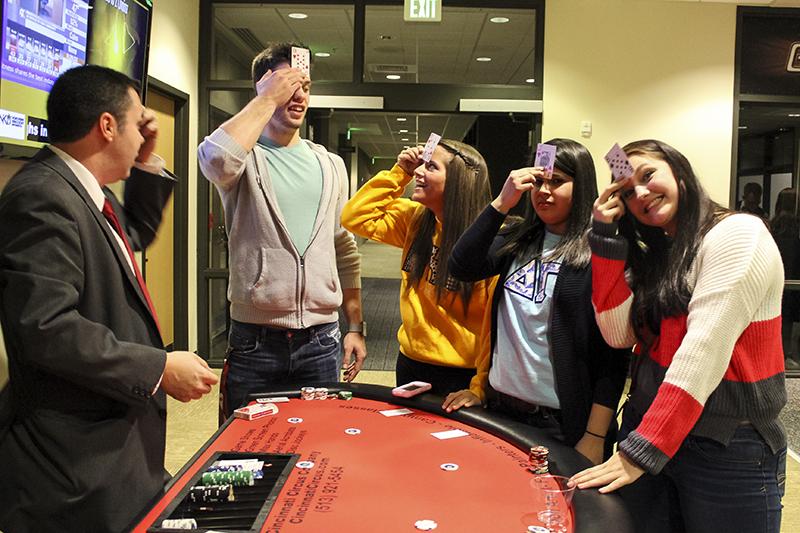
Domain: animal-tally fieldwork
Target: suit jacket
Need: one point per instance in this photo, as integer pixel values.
(84, 448)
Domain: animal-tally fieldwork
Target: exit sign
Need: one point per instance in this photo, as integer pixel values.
(422, 11)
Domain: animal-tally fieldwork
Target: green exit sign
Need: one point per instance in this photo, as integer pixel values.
(422, 11)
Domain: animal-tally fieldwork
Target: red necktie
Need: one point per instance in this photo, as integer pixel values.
(111, 216)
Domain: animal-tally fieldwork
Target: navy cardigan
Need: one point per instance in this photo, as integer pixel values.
(586, 369)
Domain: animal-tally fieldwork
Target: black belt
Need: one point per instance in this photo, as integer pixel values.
(520, 406)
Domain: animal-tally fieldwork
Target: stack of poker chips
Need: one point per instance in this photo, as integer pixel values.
(308, 393)
(537, 460)
(321, 393)
(179, 523)
(345, 395)
(211, 494)
(241, 478)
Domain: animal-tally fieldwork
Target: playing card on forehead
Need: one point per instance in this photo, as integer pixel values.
(301, 59)
(433, 140)
(545, 157)
(618, 162)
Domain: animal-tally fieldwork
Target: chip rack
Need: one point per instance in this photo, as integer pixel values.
(252, 504)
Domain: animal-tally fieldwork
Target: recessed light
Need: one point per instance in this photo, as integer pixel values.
(530, 80)
(322, 54)
(499, 20)
(403, 131)
(392, 76)
(404, 139)
(742, 127)
(401, 119)
(794, 115)
(298, 16)
(483, 59)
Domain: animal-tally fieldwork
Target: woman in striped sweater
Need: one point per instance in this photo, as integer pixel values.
(696, 289)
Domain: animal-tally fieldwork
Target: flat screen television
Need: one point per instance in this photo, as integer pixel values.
(43, 38)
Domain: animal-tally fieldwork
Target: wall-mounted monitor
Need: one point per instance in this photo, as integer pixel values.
(43, 38)
(119, 36)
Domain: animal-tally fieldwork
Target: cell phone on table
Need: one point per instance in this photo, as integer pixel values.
(411, 389)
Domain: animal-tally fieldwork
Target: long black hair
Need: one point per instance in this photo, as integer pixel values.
(466, 193)
(660, 265)
(525, 235)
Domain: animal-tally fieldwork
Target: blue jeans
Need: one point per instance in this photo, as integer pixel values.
(708, 487)
(260, 356)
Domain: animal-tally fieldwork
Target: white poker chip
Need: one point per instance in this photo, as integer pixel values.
(305, 465)
(449, 467)
(294, 420)
(352, 431)
(538, 529)
(425, 525)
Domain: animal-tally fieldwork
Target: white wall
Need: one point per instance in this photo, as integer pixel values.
(642, 69)
(174, 54)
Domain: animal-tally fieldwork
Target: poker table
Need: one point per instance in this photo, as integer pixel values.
(359, 465)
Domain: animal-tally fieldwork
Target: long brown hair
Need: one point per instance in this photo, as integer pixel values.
(466, 193)
(659, 264)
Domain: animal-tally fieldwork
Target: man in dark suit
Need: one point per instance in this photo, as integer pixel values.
(83, 444)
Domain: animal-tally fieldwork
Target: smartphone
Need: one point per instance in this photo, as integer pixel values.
(411, 389)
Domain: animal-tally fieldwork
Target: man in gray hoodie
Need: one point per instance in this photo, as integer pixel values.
(291, 263)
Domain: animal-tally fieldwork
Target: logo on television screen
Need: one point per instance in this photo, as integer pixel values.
(37, 129)
(794, 58)
(12, 125)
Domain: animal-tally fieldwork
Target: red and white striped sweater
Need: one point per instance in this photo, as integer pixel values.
(714, 368)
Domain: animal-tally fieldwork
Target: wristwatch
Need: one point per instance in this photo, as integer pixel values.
(358, 327)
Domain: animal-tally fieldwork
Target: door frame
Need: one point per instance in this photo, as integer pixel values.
(180, 252)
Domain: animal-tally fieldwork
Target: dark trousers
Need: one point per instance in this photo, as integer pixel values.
(708, 487)
(537, 416)
(443, 379)
(260, 356)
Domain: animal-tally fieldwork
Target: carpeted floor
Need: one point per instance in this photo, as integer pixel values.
(379, 298)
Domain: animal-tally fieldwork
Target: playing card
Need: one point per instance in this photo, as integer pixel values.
(618, 163)
(433, 140)
(396, 412)
(301, 59)
(449, 434)
(545, 157)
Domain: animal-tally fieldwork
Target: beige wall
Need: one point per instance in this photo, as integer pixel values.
(643, 69)
(174, 46)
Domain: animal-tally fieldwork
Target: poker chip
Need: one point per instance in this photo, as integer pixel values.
(352, 431)
(345, 395)
(179, 523)
(307, 393)
(425, 525)
(449, 467)
(321, 393)
(294, 420)
(305, 465)
(538, 529)
(538, 460)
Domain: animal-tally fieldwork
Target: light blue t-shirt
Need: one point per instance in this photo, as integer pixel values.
(297, 180)
(521, 365)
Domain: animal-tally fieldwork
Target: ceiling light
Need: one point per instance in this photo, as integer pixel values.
(404, 139)
(483, 59)
(794, 115)
(499, 20)
(742, 127)
(298, 16)
(322, 54)
(403, 131)
(401, 119)
(392, 76)
(530, 80)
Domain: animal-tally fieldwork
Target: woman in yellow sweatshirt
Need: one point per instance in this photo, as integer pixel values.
(446, 323)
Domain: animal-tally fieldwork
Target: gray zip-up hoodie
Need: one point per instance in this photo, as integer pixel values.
(270, 282)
